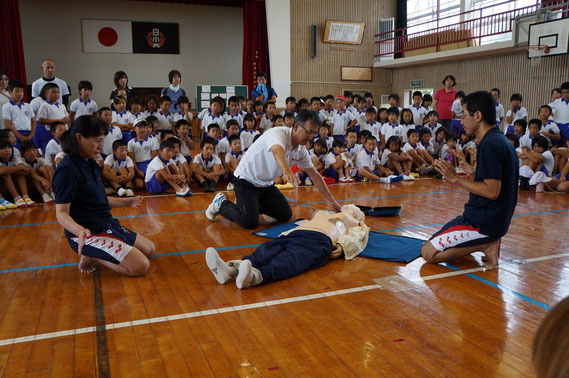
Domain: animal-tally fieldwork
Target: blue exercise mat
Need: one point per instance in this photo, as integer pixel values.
(382, 246)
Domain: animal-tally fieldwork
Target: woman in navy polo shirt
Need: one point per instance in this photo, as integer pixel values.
(84, 210)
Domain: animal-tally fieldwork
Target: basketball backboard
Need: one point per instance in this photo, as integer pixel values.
(548, 38)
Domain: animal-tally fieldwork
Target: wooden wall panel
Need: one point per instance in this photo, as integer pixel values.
(510, 72)
(321, 75)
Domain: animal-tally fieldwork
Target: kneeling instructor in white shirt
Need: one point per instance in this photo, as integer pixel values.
(270, 157)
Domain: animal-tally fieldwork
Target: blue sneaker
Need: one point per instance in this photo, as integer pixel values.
(394, 178)
(213, 209)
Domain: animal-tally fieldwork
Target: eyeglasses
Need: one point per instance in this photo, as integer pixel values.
(310, 133)
(463, 115)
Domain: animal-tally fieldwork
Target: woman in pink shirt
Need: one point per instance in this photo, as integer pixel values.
(443, 101)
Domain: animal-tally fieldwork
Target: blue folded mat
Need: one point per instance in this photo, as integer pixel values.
(382, 246)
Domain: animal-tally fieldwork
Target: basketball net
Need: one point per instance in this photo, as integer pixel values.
(537, 52)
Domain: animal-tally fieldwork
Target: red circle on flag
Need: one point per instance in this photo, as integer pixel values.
(108, 36)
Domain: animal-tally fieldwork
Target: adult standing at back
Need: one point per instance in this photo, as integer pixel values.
(443, 101)
(4, 95)
(48, 69)
(174, 91)
(121, 82)
(270, 157)
(263, 93)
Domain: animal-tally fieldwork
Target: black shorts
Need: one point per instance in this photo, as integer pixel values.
(111, 244)
(459, 233)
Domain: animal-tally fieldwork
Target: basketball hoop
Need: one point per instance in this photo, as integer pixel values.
(536, 52)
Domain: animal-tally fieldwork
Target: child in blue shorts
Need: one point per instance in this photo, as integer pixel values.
(163, 175)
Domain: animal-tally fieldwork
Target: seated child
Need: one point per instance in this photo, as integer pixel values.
(234, 112)
(290, 104)
(10, 137)
(60, 155)
(549, 129)
(369, 167)
(451, 151)
(515, 141)
(267, 118)
(212, 115)
(422, 161)
(163, 175)
(560, 154)
(337, 162)
(233, 158)
(370, 124)
(181, 161)
(323, 134)
(352, 148)
(396, 160)
(517, 111)
(206, 166)
(318, 154)
(537, 165)
(288, 119)
(381, 116)
(118, 169)
(53, 147)
(468, 147)
(520, 128)
(114, 132)
(184, 113)
(185, 137)
(165, 118)
(136, 106)
(213, 131)
(13, 174)
(431, 124)
(439, 140)
(122, 118)
(534, 128)
(456, 113)
(42, 175)
(559, 183)
(249, 132)
(223, 147)
(407, 123)
(141, 150)
(151, 106)
(391, 128)
(278, 120)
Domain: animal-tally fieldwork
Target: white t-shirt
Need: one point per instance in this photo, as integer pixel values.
(223, 146)
(408, 147)
(19, 114)
(418, 114)
(341, 121)
(154, 166)
(141, 149)
(37, 163)
(231, 154)
(83, 108)
(178, 116)
(446, 147)
(499, 112)
(365, 159)
(52, 148)
(13, 162)
(560, 109)
(329, 141)
(385, 156)
(428, 147)
(432, 129)
(467, 146)
(185, 148)
(329, 159)
(328, 114)
(374, 128)
(164, 120)
(207, 118)
(50, 110)
(526, 141)
(388, 130)
(354, 150)
(247, 137)
(548, 163)
(36, 104)
(550, 127)
(122, 118)
(266, 123)
(179, 159)
(519, 114)
(113, 135)
(238, 117)
(284, 112)
(148, 113)
(259, 166)
(360, 117)
(457, 108)
(209, 164)
(4, 98)
(39, 83)
(406, 127)
(116, 164)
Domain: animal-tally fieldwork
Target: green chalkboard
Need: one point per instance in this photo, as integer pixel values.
(204, 93)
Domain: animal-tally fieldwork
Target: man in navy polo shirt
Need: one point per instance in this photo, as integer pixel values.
(493, 190)
(263, 93)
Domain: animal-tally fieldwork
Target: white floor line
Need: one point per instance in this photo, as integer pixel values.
(222, 310)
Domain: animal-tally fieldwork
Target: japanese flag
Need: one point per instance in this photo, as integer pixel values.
(107, 36)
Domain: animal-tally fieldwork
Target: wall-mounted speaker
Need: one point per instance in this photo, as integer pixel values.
(314, 31)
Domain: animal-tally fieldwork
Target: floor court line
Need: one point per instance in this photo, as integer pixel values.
(294, 202)
(221, 310)
(251, 245)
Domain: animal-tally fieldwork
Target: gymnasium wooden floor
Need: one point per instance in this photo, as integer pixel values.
(417, 320)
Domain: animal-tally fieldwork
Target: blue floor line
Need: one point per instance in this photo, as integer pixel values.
(502, 288)
(246, 246)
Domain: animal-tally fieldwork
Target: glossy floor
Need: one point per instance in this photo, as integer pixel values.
(350, 318)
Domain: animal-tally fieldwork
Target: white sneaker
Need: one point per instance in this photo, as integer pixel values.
(459, 170)
(307, 182)
(121, 192)
(245, 277)
(129, 193)
(47, 198)
(184, 192)
(213, 209)
(408, 178)
(342, 179)
(229, 187)
(221, 271)
(53, 195)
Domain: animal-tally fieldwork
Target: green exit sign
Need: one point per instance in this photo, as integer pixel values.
(417, 83)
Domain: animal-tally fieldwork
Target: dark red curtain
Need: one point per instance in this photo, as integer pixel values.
(255, 42)
(11, 46)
